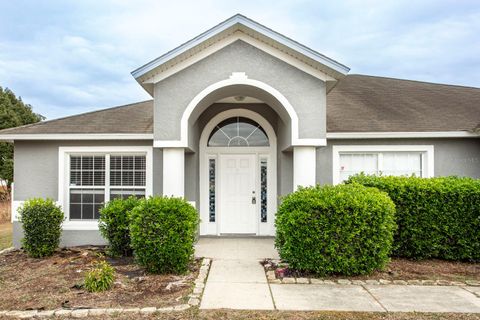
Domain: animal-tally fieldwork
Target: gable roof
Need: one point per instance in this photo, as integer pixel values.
(246, 26)
(361, 103)
(358, 104)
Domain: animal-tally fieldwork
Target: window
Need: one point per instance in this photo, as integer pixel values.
(89, 187)
(127, 172)
(263, 190)
(238, 132)
(211, 190)
(385, 160)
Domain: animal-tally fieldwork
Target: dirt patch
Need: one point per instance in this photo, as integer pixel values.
(403, 269)
(56, 282)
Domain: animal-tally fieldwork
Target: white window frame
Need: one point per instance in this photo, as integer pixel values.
(64, 177)
(427, 153)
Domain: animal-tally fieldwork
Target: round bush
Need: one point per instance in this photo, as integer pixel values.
(114, 225)
(163, 232)
(42, 226)
(343, 229)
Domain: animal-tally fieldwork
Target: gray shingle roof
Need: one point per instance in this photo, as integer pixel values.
(130, 118)
(358, 103)
(362, 103)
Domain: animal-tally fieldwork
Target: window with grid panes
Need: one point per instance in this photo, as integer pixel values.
(89, 188)
(127, 176)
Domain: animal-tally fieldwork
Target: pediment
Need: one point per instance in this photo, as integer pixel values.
(241, 28)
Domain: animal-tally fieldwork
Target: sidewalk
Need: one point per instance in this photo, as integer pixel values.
(237, 281)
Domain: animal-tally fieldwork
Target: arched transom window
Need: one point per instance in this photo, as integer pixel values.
(238, 132)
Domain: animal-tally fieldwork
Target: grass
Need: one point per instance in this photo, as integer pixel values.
(5, 235)
(194, 313)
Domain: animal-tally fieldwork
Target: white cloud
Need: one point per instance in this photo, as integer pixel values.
(68, 57)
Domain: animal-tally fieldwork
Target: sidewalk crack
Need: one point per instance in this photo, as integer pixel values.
(374, 298)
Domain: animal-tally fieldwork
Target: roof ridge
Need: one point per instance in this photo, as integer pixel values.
(41, 123)
(410, 80)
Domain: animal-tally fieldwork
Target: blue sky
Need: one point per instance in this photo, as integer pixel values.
(67, 56)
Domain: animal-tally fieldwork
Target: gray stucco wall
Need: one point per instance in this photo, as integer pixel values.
(306, 93)
(36, 175)
(69, 238)
(451, 156)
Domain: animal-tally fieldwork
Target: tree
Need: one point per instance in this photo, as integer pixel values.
(13, 113)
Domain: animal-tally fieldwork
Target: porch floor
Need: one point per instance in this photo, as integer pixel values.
(236, 248)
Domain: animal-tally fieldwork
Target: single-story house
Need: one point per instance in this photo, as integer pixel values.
(239, 116)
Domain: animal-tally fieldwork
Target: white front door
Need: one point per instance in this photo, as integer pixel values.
(237, 187)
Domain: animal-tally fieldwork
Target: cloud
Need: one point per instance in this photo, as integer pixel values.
(66, 57)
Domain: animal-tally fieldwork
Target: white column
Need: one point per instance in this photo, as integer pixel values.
(304, 165)
(174, 172)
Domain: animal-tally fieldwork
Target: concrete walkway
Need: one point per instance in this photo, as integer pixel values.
(237, 281)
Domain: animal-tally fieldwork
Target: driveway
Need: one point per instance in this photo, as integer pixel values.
(237, 281)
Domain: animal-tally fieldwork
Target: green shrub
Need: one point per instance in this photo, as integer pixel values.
(100, 277)
(436, 217)
(42, 226)
(163, 232)
(114, 225)
(344, 229)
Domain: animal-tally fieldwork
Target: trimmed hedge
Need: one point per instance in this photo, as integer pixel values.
(344, 229)
(114, 225)
(42, 226)
(436, 217)
(163, 232)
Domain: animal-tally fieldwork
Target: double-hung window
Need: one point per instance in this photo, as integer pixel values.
(98, 178)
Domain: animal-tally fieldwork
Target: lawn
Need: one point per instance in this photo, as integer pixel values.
(194, 314)
(56, 282)
(5, 235)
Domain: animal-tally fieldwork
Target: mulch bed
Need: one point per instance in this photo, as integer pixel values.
(56, 282)
(403, 269)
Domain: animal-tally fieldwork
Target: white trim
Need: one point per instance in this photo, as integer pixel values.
(174, 172)
(238, 78)
(238, 35)
(270, 153)
(380, 135)
(304, 166)
(64, 173)
(428, 156)
(256, 27)
(13, 209)
(78, 136)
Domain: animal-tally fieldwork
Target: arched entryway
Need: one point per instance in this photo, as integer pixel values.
(237, 174)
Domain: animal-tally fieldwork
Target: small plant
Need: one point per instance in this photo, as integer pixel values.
(42, 226)
(100, 277)
(114, 225)
(163, 232)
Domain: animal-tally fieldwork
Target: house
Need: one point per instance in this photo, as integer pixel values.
(239, 116)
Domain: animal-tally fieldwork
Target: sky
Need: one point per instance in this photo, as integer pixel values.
(69, 56)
